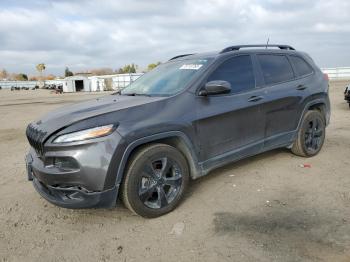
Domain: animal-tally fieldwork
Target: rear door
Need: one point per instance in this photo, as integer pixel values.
(282, 98)
(231, 122)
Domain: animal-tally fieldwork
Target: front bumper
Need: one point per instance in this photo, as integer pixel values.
(71, 197)
(88, 186)
(76, 198)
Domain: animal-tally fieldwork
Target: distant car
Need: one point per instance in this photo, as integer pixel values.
(179, 121)
(347, 94)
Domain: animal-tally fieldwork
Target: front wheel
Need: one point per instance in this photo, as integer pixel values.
(156, 179)
(311, 135)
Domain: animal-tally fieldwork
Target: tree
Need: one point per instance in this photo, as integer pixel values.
(120, 71)
(128, 69)
(3, 74)
(20, 77)
(102, 71)
(152, 66)
(41, 67)
(132, 68)
(33, 78)
(67, 72)
(50, 77)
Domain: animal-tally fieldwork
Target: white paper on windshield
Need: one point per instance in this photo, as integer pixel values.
(191, 67)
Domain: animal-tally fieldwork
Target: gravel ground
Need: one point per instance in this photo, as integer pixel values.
(264, 208)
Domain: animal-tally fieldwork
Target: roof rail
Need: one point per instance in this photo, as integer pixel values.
(238, 47)
(178, 56)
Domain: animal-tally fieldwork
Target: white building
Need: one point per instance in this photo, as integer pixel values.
(76, 84)
(97, 83)
(116, 82)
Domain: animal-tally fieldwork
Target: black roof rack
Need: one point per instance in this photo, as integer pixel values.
(238, 47)
(178, 56)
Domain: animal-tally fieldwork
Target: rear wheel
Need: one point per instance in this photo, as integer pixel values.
(311, 135)
(155, 181)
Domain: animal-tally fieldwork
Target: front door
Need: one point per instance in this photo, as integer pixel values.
(231, 123)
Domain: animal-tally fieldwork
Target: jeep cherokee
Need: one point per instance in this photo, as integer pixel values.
(190, 115)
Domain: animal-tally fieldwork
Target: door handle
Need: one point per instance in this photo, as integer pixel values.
(254, 98)
(301, 87)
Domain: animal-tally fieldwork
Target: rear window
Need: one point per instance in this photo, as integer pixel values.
(275, 68)
(301, 67)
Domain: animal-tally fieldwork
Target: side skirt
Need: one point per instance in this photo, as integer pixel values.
(277, 141)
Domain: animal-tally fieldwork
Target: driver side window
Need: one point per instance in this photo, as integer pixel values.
(238, 71)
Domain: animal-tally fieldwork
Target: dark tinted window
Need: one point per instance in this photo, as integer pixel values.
(275, 68)
(301, 67)
(238, 71)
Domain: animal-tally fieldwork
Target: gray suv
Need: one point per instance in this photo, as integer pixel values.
(189, 115)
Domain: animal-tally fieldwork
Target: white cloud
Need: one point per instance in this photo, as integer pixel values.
(89, 34)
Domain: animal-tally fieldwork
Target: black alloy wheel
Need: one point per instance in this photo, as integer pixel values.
(155, 181)
(160, 182)
(311, 134)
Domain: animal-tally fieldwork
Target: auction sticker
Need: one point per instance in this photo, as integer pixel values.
(191, 66)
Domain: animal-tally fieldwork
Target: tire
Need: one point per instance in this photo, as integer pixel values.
(156, 179)
(311, 135)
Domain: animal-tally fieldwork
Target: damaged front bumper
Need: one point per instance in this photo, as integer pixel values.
(86, 183)
(73, 196)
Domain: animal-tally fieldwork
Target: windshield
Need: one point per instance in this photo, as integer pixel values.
(167, 79)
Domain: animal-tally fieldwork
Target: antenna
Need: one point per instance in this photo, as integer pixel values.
(267, 43)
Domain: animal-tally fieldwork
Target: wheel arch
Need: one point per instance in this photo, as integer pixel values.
(317, 104)
(177, 139)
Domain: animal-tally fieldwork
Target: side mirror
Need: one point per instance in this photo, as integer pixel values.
(216, 87)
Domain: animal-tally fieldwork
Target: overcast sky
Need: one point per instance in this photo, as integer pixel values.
(91, 34)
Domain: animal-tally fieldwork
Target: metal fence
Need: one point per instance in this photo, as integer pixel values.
(30, 84)
(337, 73)
(20, 84)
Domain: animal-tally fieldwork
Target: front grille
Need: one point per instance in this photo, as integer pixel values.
(35, 137)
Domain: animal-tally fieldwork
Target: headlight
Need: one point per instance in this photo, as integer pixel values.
(85, 134)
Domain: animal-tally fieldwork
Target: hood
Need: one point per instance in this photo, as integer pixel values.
(66, 116)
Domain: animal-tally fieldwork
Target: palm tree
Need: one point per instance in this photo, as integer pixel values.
(41, 67)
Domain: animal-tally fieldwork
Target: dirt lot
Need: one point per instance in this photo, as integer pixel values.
(265, 208)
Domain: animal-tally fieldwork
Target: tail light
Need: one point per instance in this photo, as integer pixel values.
(326, 76)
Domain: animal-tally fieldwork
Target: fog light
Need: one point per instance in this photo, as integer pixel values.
(67, 163)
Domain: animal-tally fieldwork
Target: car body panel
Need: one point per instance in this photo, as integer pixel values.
(226, 123)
